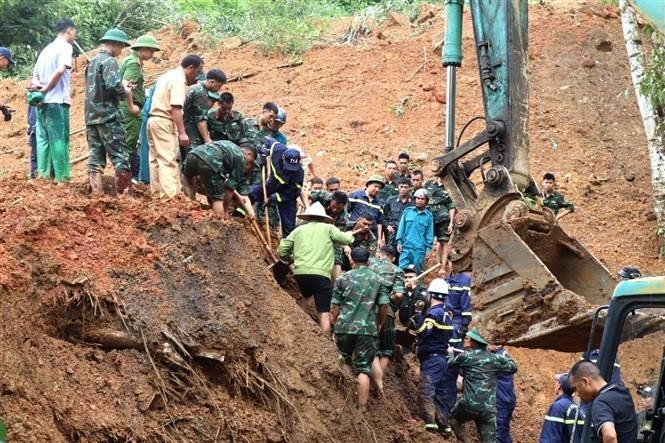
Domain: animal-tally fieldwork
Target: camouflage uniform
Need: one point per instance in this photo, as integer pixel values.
(219, 165)
(389, 190)
(230, 128)
(341, 220)
(392, 214)
(478, 401)
(556, 201)
(440, 204)
(394, 275)
(131, 70)
(103, 118)
(358, 293)
(254, 133)
(197, 105)
(367, 241)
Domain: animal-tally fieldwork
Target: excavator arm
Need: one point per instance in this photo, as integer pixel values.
(533, 283)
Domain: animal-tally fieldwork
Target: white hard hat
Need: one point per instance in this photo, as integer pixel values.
(438, 288)
(421, 193)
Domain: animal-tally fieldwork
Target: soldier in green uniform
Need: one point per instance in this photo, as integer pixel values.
(131, 70)
(104, 88)
(257, 129)
(365, 238)
(220, 166)
(416, 180)
(394, 207)
(443, 210)
(390, 180)
(403, 160)
(394, 275)
(197, 105)
(559, 204)
(359, 307)
(226, 123)
(478, 401)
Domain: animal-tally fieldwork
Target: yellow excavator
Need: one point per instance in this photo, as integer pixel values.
(533, 284)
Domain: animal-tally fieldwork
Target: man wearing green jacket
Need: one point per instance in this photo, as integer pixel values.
(131, 70)
(311, 246)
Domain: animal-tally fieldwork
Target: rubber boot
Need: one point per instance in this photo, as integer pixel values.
(123, 180)
(96, 183)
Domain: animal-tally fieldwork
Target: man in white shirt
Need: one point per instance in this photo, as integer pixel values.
(51, 76)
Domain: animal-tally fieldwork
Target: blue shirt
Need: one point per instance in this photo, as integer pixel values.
(283, 185)
(416, 229)
(360, 203)
(563, 421)
(505, 387)
(616, 370)
(433, 331)
(459, 298)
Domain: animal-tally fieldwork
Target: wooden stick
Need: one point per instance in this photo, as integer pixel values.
(433, 268)
(265, 200)
(290, 64)
(82, 51)
(79, 159)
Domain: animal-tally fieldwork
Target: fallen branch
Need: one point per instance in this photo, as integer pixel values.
(290, 64)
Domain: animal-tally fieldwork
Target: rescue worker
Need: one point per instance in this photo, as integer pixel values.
(505, 400)
(316, 184)
(443, 210)
(335, 206)
(417, 180)
(220, 167)
(563, 421)
(166, 127)
(310, 247)
(478, 401)
(226, 123)
(258, 128)
(284, 185)
(414, 292)
(616, 370)
(363, 238)
(333, 184)
(390, 181)
(394, 275)
(276, 124)
(195, 111)
(437, 385)
(360, 304)
(103, 118)
(458, 303)
(131, 70)
(6, 60)
(612, 416)
(393, 209)
(367, 201)
(415, 234)
(403, 160)
(52, 77)
(555, 200)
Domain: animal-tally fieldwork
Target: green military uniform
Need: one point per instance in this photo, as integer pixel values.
(394, 275)
(131, 70)
(254, 133)
(362, 240)
(230, 128)
(478, 401)
(103, 118)
(556, 201)
(389, 190)
(440, 204)
(219, 165)
(358, 293)
(195, 110)
(341, 220)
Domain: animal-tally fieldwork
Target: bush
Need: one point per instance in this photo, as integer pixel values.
(27, 27)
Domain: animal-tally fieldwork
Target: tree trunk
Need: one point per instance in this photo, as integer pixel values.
(649, 117)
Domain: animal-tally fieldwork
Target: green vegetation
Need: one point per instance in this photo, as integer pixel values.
(653, 84)
(288, 26)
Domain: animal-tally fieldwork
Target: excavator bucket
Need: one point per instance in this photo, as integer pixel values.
(534, 285)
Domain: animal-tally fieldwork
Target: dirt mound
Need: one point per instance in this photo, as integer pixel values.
(130, 320)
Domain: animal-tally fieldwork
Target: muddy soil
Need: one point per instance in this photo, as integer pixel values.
(161, 284)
